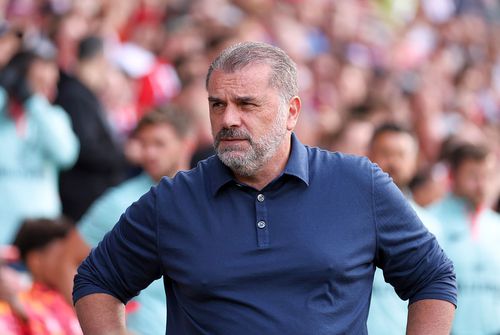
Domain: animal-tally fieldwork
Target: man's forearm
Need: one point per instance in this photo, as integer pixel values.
(101, 314)
(430, 317)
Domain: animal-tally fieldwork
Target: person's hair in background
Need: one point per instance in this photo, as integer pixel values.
(32, 69)
(471, 170)
(464, 152)
(429, 185)
(162, 141)
(395, 149)
(37, 234)
(92, 63)
(42, 243)
(90, 47)
(390, 127)
(283, 69)
(168, 114)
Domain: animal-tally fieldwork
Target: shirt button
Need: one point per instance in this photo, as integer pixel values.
(260, 197)
(261, 224)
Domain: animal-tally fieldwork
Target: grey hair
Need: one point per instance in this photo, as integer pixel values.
(236, 57)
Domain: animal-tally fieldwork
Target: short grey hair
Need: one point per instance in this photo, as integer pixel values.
(283, 69)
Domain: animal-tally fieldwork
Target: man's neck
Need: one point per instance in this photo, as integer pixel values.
(271, 169)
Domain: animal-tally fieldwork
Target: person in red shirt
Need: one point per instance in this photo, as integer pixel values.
(42, 309)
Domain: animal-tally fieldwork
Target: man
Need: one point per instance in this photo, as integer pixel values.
(36, 141)
(395, 150)
(470, 236)
(269, 236)
(165, 143)
(101, 163)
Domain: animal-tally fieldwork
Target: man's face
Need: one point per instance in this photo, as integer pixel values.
(396, 154)
(472, 178)
(249, 121)
(162, 150)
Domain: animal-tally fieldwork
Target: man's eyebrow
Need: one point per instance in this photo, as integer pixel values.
(246, 99)
(239, 100)
(214, 99)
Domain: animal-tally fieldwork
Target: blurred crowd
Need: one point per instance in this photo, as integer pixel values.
(414, 85)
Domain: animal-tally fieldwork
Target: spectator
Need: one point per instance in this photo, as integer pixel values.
(470, 236)
(432, 66)
(42, 310)
(166, 143)
(395, 150)
(36, 141)
(101, 162)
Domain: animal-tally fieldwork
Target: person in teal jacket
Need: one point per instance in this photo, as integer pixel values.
(164, 135)
(471, 238)
(395, 150)
(36, 142)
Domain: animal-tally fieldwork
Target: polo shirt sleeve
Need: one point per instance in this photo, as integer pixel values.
(126, 260)
(409, 255)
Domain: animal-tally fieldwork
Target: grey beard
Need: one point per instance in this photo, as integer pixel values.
(260, 152)
(246, 165)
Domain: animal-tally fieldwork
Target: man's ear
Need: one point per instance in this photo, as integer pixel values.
(293, 112)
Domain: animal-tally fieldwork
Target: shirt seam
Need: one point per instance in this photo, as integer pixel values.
(157, 237)
(374, 213)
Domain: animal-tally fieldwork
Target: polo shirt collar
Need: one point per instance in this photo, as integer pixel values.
(298, 162)
(297, 166)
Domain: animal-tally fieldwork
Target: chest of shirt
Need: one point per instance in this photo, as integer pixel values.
(286, 236)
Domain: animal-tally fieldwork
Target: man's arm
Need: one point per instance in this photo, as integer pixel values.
(101, 314)
(125, 262)
(412, 261)
(430, 317)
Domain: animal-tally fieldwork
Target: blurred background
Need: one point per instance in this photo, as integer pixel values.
(77, 76)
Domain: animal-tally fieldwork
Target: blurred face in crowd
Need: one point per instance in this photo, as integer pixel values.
(472, 178)
(44, 263)
(355, 138)
(248, 117)
(396, 154)
(161, 150)
(42, 77)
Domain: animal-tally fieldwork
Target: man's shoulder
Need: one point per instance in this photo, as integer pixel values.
(195, 177)
(337, 162)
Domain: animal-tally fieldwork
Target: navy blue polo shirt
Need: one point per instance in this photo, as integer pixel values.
(297, 257)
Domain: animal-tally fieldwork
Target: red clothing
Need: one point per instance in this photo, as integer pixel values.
(9, 324)
(48, 314)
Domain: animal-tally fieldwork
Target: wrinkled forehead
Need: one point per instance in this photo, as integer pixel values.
(250, 77)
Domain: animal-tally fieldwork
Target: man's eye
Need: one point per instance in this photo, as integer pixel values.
(217, 104)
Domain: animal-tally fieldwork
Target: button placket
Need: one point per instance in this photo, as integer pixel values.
(262, 224)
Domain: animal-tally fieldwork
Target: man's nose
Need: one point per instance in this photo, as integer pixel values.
(231, 116)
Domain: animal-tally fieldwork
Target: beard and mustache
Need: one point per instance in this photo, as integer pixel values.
(246, 160)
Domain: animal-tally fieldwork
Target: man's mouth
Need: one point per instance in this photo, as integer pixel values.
(232, 139)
